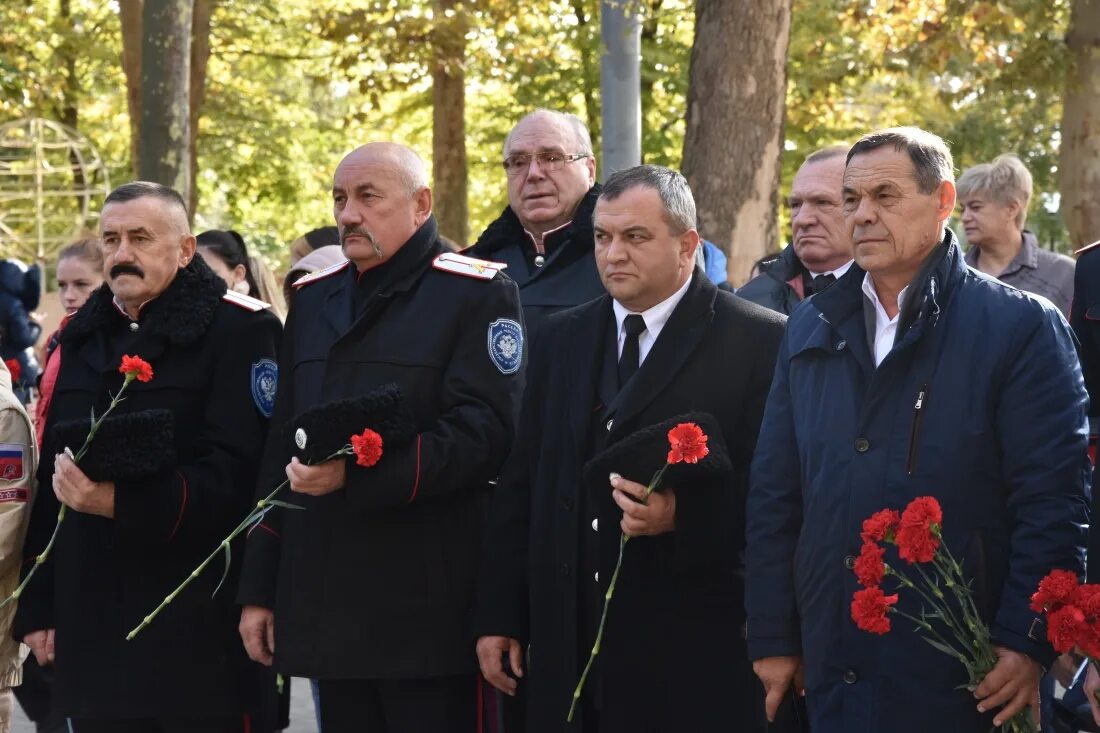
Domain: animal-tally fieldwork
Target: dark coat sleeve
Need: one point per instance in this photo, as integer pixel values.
(705, 518)
(501, 607)
(208, 495)
(263, 546)
(469, 441)
(1041, 429)
(19, 330)
(773, 524)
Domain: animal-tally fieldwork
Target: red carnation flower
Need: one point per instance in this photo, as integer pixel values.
(1064, 626)
(134, 367)
(870, 607)
(367, 447)
(15, 369)
(869, 567)
(687, 442)
(880, 526)
(1088, 641)
(1056, 589)
(918, 535)
(1087, 598)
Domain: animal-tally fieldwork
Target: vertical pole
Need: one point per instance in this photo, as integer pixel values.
(620, 86)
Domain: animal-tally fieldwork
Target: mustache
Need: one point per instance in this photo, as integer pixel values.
(362, 232)
(358, 231)
(124, 269)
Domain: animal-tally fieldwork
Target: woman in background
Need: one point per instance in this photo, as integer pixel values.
(226, 254)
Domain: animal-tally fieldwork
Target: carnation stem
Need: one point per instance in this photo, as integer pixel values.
(254, 516)
(40, 560)
(623, 539)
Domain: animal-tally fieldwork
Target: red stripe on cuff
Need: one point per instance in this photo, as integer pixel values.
(183, 505)
(263, 526)
(416, 484)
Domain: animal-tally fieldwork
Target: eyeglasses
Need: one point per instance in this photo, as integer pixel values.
(515, 165)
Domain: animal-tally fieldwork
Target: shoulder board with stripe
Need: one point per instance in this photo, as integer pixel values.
(1087, 248)
(321, 274)
(245, 301)
(467, 266)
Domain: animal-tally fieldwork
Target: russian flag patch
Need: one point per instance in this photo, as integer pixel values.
(11, 461)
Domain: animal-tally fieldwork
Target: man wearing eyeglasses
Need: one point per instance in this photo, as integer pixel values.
(545, 233)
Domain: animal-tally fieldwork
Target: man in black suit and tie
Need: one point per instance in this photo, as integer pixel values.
(662, 342)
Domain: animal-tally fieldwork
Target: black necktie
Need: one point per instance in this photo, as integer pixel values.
(821, 282)
(630, 359)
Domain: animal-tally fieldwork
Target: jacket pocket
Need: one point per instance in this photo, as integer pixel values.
(914, 431)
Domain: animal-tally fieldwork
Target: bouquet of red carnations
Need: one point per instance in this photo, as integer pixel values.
(1072, 612)
(949, 618)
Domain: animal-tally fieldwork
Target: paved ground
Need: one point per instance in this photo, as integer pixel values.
(301, 712)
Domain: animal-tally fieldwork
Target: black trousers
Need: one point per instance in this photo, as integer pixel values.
(235, 724)
(435, 704)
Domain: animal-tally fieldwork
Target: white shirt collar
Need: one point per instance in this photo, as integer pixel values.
(655, 319)
(837, 273)
(886, 328)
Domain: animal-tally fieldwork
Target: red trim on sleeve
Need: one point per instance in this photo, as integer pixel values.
(183, 505)
(263, 526)
(247, 723)
(416, 484)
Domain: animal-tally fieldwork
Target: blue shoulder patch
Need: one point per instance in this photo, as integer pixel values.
(506, 345)
(265, 382)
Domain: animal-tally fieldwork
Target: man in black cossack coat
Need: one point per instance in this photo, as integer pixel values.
(369, 589)
(129, 539)
(663, 341)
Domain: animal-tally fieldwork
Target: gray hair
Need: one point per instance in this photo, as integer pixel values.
(581, 137)
(1005, 180)
(840, 150)
(146, 189)
(929, 153)
(670, 186)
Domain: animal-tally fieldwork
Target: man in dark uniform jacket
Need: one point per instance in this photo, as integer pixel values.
(125, 545)
(673, 655)
(545, 233)
(368, 590)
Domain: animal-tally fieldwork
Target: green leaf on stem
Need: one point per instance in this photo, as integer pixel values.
(283, 504)
(225, 573)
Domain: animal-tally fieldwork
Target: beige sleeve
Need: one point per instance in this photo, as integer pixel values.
(16, 494)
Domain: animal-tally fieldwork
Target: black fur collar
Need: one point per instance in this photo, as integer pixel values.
(506, 229)
(181, 314)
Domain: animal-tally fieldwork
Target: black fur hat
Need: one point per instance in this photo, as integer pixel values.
(322, 430)
(131, 446)
(640, 455)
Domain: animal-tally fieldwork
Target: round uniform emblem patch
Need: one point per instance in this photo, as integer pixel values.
(265, 382)
(506, 345)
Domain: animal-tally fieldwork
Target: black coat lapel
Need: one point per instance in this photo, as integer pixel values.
(681, 335)
(584, 357)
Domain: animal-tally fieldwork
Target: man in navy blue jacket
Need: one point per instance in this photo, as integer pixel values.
(912, 376)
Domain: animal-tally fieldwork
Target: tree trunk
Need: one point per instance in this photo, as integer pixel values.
(449, 122)
(164, 141)
(129, 14)
(66, 53)
(200, 54)
(590, 73)
(732, 147)
(1080, 164)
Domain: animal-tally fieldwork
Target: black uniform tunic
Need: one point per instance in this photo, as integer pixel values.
(375, 581)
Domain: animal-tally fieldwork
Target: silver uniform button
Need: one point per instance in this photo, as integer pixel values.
(596, 525)
(597, 576)
(539, 260)
(610, 423)
(133, 326)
